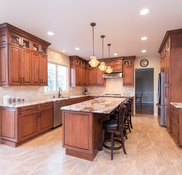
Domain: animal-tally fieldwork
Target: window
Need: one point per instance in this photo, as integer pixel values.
(57, 78)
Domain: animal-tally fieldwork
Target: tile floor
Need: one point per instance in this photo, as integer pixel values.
(150, 151)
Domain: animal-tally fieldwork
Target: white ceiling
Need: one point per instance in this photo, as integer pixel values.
(119, 20)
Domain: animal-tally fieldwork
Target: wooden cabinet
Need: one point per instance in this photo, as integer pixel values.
(3, 65)
(22, 124)
(23, 59)
(35, 68)
(92, 76)
(14, 65)
(128, 72)
(116, 64)
(43, 76)
(45, 119)
(99, 77)
(28, 125)
(171, 61)
(25, 67)
(77, 71)
(176, 124)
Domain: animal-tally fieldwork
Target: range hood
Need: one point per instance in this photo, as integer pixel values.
(113, 75)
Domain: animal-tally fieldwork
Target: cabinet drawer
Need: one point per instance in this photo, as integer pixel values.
(173, 109)
(32, 108)
(46, 105)
(174, 130)
(174, 114)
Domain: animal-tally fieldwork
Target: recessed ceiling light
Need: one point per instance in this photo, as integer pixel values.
(115, 54)
(50, 33)
(63, 50)
(144, 38)
(143, 51)
(77, 48)
(144, 11)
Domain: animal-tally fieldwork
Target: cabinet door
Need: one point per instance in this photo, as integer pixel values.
(128, 75)
(14, 64)
(15, 39)
(43, 70)
(87, 77)
(100, 80)
(25, 66)
(35, 68)
(3, 65)
(46, 119)
(78, 72)
(83, 76)
(92, 76)
(28, 125)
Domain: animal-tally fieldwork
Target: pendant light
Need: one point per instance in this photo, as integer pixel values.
(109, 69)
(93, 62)
(102, 66)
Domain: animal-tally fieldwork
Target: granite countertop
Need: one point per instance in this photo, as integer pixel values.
(102, 105)
(36, 102)
(177, 105)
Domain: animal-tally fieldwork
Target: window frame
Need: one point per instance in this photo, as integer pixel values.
(67, 86)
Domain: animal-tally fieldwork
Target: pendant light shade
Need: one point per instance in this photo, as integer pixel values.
(102, 66)
(93, 62)
(109, 68)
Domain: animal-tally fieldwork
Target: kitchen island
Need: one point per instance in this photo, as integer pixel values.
(82, 125)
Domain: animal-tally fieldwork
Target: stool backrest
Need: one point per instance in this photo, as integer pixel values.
(121, 115)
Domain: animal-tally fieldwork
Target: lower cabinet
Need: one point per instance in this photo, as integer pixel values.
(28, 125)
(176, 124)
(45, 119)
(22, 124)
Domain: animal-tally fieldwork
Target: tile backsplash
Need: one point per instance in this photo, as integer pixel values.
(113, 86)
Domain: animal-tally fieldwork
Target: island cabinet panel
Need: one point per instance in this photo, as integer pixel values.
(26, 57)
(77, 130)
(82, 133)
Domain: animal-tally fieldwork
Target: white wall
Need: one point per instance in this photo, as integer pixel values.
(37, 92)
(115, 86)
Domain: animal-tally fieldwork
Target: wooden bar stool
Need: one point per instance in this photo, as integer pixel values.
(113, 126)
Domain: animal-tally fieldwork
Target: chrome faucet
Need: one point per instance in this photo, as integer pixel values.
(59, 92)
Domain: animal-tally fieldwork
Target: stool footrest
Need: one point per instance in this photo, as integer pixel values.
(115, 147)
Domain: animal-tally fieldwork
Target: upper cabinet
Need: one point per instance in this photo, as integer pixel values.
(23, 57)
(81, 74)
(128, 71)
(115, 64)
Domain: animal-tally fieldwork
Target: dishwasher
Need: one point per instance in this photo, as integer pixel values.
(57, 112)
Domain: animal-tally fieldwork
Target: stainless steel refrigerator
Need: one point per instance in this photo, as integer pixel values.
(161, 99)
